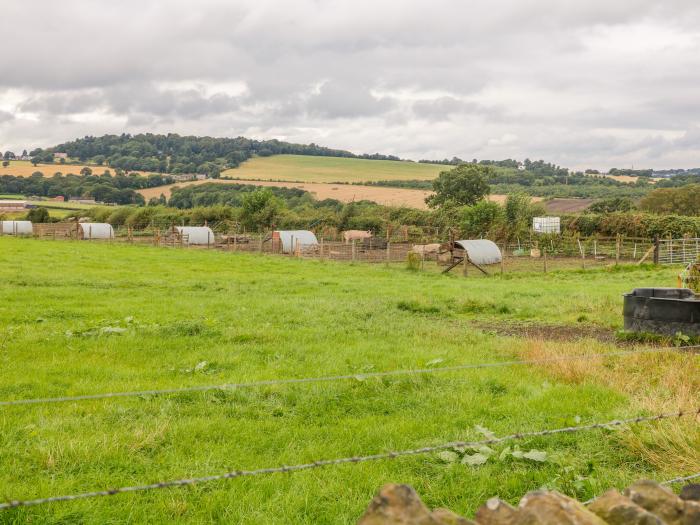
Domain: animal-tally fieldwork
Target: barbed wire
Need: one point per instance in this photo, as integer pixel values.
(321, 379)
(346, 460)
(682, 479)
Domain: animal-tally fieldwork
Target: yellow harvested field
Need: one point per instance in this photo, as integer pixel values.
(306, 168)
(342, 192)
(23, 168)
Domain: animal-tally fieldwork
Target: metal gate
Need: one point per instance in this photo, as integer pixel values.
(678, 251)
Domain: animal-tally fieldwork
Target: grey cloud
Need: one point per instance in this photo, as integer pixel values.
(574, 81)
(344, 99)
(6, 116)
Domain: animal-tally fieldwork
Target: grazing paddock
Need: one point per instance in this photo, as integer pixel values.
(83, 318)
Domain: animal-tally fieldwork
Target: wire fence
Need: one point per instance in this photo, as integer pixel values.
(682, 479)
(532, 253)
(347, 460)
(344, 377)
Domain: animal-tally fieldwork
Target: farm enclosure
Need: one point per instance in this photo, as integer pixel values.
(78, 319)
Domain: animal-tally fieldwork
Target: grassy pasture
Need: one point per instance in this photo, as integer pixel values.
(78, 318)
(305, 168)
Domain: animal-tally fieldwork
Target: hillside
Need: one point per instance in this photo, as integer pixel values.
(173, 153)
(305, 168)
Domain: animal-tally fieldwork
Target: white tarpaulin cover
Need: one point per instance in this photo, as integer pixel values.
(481, 251)
(197, 234)
(303, 239)
(96, 230)
(16, 227)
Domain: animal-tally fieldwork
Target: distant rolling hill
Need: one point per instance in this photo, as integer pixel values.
(306, 168)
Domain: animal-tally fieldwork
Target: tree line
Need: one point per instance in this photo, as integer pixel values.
(115, 189)
(173, 153)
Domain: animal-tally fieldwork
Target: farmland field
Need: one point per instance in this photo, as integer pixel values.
(78, 318)
(24, 168)
(305, 168)
(386, 196)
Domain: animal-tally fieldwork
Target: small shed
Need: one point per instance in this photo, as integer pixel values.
(196, 235)
(481, 251)
(546, 224)
(291, 240)
(16, 228)
(95, 230)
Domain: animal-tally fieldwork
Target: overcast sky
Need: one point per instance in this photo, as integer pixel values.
(595, 83)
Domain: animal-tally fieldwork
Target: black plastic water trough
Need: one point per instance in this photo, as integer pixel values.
(664, 311)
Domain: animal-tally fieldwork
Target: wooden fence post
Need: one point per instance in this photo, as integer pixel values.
(544, 255)
(353, 250)
(617, 250)
(388, 252)
(657, 246)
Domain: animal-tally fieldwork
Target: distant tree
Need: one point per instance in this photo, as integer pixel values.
(24, 152)
(5, 163)
(86, 171)
(612, 205)
(679, 201)
(464, 185)
(38, 215)
(519, 211)
(9, 156)
(259, 209)
(482, 218)
(61, 160)
(35, 161)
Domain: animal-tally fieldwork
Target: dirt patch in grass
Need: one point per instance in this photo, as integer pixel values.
(547, 332)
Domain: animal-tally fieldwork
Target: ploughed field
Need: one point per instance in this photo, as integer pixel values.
(84, 318)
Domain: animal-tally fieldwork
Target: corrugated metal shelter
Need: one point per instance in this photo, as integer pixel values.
(16, 228)
(293, 239)
(196, 235)
(95, 230)
(481, 251)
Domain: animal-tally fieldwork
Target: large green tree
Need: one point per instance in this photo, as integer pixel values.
(464, 185)
(259, 209)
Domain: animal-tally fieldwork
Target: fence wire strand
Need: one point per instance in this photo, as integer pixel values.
(681, 479)
(321, 379)
(346, 460)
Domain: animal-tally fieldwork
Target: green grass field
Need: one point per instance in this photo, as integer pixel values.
(80, 318)
(303, 168)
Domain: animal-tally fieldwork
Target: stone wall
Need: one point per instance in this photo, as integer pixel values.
(644, 503)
